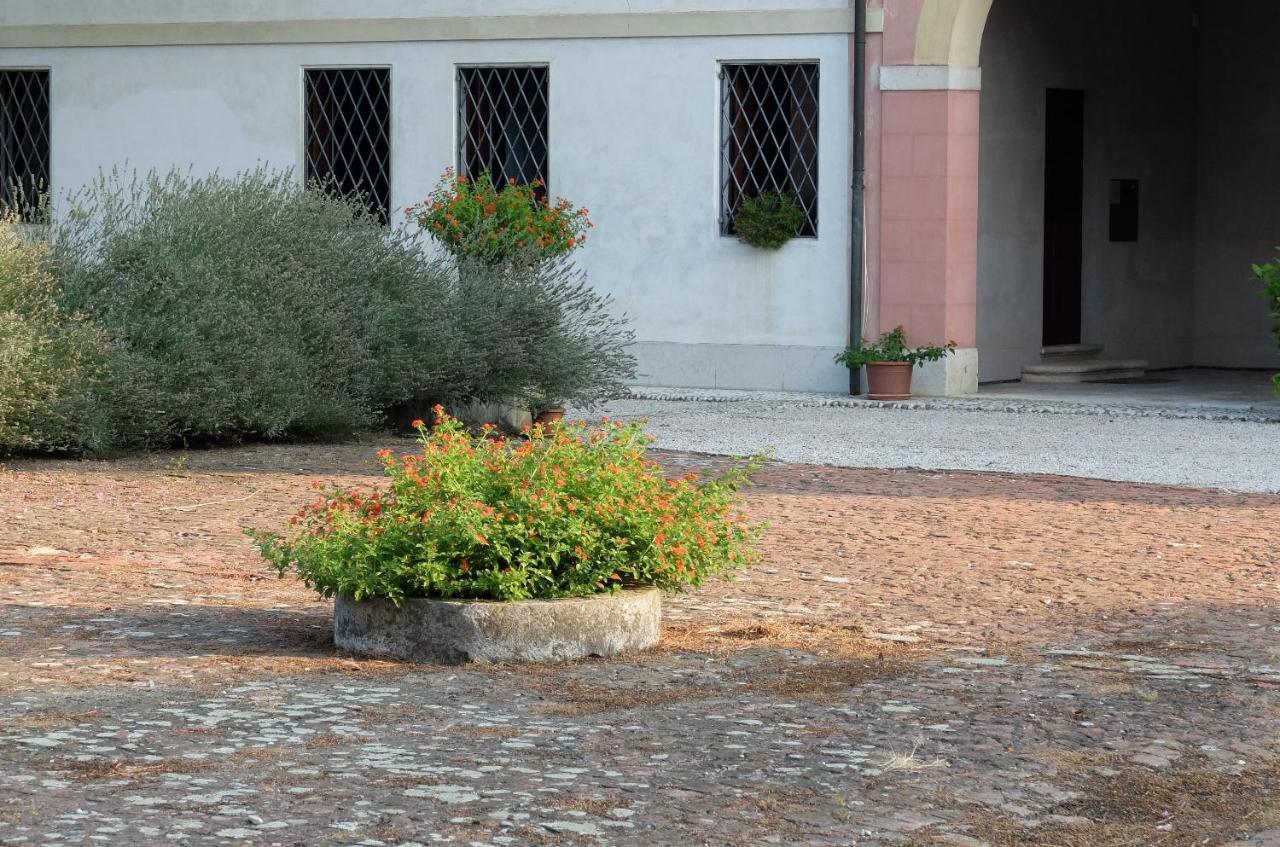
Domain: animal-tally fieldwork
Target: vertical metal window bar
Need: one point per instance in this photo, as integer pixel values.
(348, 134)
(769, 137)
(502, 123)
(24, 141)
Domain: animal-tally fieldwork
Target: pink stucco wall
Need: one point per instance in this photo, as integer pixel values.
(871, 288)
(922, 197)
(900, 20)
(929, 214)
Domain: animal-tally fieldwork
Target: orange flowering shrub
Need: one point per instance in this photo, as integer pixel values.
(569, 511)
(475, 219)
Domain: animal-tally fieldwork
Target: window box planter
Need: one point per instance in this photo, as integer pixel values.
(458, 631)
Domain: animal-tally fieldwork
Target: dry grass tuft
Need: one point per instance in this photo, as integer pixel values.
(1189, 805)
(49, 718)
(95, 769)
(823, 681)
(1151, 647)
(1073, 759)
(823, 639)
(782, 676)
(910, 762)
(576, 698)
(597, 806)
(479, 732)
(323, 740)
(405, 780)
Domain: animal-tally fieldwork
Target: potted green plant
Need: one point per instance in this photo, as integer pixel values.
(768, 220)
(889, 363)
(548, 412)
(1269, 276)
(479, 547)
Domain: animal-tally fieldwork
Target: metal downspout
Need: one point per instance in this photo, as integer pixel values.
(859, 223)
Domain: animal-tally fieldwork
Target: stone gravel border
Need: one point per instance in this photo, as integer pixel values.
(1120, 409)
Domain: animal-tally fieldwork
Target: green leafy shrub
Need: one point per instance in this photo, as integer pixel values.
(49, 360)
(1269, 275)
(172, 309)
(768, 221)
(475, 220)
(573, 510)
(892, 347)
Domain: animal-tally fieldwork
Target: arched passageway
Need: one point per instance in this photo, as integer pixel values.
(1143, 130)
(950, 32)
(1135, 229)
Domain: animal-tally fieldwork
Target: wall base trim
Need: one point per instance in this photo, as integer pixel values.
(954, 376)
(930, 78)
(751, 367)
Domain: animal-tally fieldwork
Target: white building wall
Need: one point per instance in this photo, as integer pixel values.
(634, 137)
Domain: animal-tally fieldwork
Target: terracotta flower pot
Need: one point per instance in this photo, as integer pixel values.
(889, 380)
(547, 416)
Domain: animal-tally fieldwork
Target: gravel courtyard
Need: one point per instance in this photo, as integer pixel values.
(1232, 446)
(925, 657)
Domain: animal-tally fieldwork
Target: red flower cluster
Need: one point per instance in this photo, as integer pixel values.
(475, 219)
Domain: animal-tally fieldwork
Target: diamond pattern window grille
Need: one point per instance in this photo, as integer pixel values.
(769, 137)
(24, 140)
(503, 123)
(348, 134)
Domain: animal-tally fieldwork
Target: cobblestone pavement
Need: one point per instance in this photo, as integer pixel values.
(924, 658)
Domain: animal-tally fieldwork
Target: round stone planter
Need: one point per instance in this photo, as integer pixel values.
(457, 631)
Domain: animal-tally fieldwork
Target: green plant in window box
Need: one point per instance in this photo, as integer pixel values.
(768, 220)
(1269, 275)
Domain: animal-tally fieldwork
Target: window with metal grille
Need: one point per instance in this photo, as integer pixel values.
(769, 137)
(502, 123)
(348, 134)
(24, 140)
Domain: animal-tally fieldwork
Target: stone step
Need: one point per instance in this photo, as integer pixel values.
(1069, 352)
(1085, 370)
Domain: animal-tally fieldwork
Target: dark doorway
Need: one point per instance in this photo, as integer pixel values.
(1063, 215)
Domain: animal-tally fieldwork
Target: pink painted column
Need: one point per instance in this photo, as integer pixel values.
(929, 214)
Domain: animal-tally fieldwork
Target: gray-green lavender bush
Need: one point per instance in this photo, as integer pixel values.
(222, 308)
(538, 334)
(50, 363)
(241, 307)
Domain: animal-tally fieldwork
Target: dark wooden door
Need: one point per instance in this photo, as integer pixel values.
(1063, 215)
